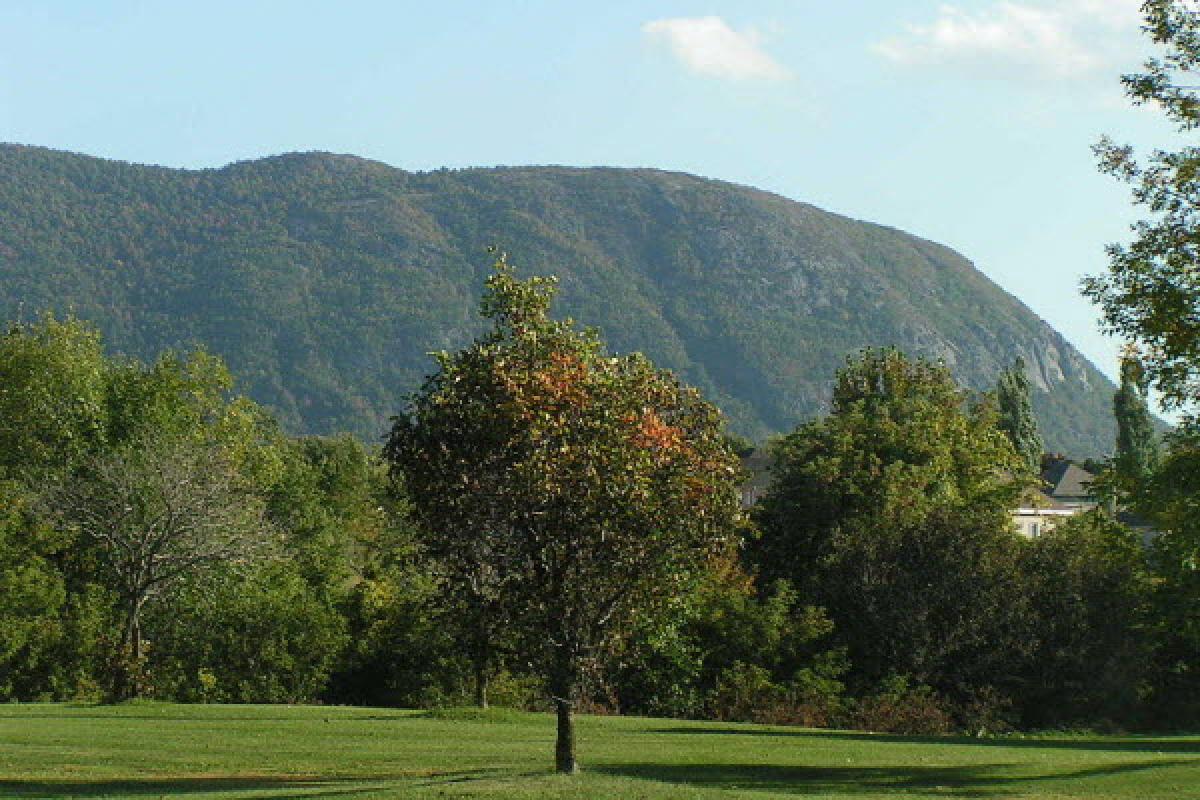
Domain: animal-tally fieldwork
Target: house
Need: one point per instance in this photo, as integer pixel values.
(757, 468)
(1069, 485)
(1066, 492)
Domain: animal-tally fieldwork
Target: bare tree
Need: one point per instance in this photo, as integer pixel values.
(159, 508)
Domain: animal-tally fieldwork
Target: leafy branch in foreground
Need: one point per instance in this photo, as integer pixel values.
(1151, 293)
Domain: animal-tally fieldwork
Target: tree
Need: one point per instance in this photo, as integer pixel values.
(158, 508)
(242, 633)
(893, 514)
(1151, 293)
(1090, 589)
(899, 442)
(576, 491)
(53, 377)
(52, 390)
(32, 597)
(1151, 296)
(675, 666)
(1172, 502)
(1137, 453)
(1016, 414)
(280, 631)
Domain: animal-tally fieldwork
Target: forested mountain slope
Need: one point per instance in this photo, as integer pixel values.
(325, 280)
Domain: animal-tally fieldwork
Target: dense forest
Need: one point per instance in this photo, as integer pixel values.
(324, 281)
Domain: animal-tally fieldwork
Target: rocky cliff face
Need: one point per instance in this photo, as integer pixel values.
(325, 281)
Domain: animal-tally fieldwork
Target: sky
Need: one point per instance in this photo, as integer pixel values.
(968, 123)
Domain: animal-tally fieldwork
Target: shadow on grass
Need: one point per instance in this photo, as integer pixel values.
(280, 787)
(974, 781)
(1123, 744)
(160, 787)
(200, 713)
(158, 718)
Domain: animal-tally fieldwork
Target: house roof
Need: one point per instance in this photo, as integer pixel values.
(1067, 480)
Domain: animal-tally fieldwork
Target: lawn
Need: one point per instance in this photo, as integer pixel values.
(156, 750)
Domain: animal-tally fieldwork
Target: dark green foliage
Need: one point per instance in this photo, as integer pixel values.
(128, 488)
(1137, 453)
(898, 706)
(400, 651)
(893, 593)
(731, 654)
(54, 616)
(900, 444)
(33, 599)
(1090, 587)
(1172, 501)
(892, 514)
(266, 637)
(325, 280)
(163, 501)
(939, 600)
(1015, 406)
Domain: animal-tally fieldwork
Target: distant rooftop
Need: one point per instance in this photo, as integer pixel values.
(1066, 480)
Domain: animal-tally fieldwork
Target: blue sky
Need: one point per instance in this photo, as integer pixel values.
(969, 123)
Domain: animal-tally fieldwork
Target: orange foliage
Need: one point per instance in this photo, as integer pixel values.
(652, 433)
(564, 382)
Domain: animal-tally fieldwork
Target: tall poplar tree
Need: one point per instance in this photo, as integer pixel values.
(1016, 414)
(1137, 452)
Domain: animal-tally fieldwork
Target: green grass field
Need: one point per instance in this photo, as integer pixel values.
(158, 750)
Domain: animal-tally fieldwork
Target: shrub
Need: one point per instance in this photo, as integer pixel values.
(744, 692)
(898, 707)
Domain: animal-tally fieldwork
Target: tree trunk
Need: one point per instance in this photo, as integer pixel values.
(564, 748)
(125, 681)
(564, 681)
(483, 660)
(481, 684)
(135, 650)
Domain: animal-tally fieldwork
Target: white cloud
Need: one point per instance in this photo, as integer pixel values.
(1116, 14)
(1057, 39)
(708, 46)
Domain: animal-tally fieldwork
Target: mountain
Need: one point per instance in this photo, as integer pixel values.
(325, 280)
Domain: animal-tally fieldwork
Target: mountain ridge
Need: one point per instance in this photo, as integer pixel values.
(324, 279)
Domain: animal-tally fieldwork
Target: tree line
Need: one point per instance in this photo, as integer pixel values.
(550, 523)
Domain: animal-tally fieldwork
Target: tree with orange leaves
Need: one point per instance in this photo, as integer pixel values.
(567, 493)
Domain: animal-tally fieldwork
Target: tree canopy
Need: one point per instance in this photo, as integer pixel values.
(1151, 292)
(585, 490)
(893, 513)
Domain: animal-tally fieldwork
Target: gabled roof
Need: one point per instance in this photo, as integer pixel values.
(1067, 480)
